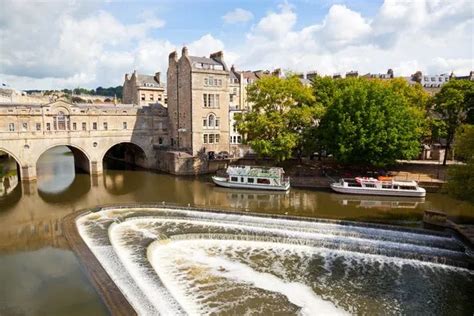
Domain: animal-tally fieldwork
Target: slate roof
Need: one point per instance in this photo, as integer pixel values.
(206, 61)
(148, 81)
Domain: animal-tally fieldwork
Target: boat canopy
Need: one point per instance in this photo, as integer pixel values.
(255, 171)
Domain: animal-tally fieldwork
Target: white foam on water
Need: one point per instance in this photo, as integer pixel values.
(148, 297)
(157, 295)
(284, 231)
(163, 258)
(119, 275)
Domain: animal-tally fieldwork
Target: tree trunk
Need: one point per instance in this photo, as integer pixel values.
(448, 146)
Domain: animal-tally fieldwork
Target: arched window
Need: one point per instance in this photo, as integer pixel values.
(211, 120)
(61, 121)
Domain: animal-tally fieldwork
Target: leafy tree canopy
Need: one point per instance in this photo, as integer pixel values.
(282, 108)
(373, 122)
(454, 105)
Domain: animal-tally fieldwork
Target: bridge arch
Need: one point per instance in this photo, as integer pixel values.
(19, 163)
(82, 160)
(127, 152)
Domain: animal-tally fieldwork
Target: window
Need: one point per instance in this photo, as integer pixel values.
(250, 180)
(205, 99)
(106, 126)
(143, 97)
(239, 139)
(211, 100)
(234, 139)
(370, 185)
(231, 97)
(217, 137)
(241, 179)
(24, 126)
(234, 179)
(211, 120)
(217, 100)
(204, 122)
(48, 126)
(74, 126)
(94, 126)
(152, 97)
(234, 128)
(124, 125)
(217, 122)
(263, 181)
(160, 141)
(84, 126)
(11, 127)
(159, 98)
(216, 82)
(206, 81)
(38, 126)
(211, 138)
(61, 121)
(211, 81)
(205, 138)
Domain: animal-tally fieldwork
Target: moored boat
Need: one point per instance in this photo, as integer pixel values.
(383, 186)
(254, 177)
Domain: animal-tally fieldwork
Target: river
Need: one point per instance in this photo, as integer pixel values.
(40, 275)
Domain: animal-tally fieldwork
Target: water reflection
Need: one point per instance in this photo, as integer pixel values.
(380, 202)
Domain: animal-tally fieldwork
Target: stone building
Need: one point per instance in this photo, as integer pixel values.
(198, 103)
(143, 89)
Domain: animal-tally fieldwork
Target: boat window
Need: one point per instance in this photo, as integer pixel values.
(386, 186)
(241, 179)
(250, 180)
(235, 179)
(370, 185)
(407, 187)
(263, 181)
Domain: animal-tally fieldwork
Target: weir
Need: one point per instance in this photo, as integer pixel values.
(183, 260)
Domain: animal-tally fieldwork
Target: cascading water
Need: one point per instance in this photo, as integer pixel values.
(176, 261)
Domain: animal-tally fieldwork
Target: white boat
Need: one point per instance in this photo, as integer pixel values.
(254, 177)
(384, 186)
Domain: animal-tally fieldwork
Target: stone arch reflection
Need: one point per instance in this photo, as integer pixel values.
(75, 191)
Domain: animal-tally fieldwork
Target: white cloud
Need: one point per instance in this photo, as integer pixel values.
(64, 43)
(431, 36)
(237, 16)
(73, 43)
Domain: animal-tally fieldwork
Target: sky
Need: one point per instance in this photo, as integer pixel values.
(56, 44)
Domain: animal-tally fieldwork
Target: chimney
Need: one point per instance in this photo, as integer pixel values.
(157, 77)
(184, 51)
(277, 73)
(173, 56)
(219, 56)
(390, 73)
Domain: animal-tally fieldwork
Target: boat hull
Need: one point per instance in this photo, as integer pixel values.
(385, 192)
(226, 184)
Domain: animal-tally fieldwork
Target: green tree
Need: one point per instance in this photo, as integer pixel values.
(461, 177)
(371, 122)
(452, 104)
(282, 109)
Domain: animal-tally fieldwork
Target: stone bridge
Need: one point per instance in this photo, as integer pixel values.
(90, 131)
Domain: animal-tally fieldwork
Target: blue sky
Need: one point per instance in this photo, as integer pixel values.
(64, 44)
